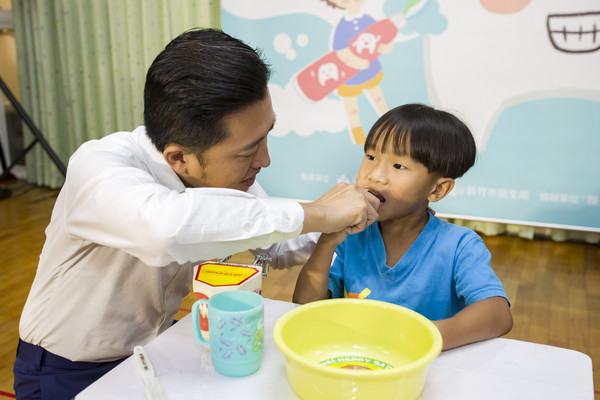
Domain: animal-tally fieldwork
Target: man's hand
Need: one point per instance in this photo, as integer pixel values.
(345, 207)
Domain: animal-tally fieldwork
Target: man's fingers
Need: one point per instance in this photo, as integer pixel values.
(350, 230)
(372, 207)
(373, 201)
(345, 206)
(372, 216)
(367, 215)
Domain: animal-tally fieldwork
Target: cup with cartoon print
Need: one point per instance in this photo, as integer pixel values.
(236, 331)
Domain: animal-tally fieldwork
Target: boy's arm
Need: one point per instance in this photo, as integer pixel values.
(313, 280)
(484, 319)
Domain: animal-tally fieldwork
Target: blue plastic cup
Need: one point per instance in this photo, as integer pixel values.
(236, 331)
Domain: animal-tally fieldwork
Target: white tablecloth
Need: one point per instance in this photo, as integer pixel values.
(495, 369)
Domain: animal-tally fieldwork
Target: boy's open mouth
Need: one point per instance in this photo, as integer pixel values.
(379, 196)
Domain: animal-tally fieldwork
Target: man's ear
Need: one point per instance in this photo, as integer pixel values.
(175, 156)
(442, 187)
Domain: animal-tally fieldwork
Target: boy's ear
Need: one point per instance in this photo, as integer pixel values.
(174, 155)
(442, 187)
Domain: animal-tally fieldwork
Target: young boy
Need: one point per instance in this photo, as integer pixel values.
(413, 154)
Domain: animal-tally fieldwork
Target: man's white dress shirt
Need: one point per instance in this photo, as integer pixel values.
(124, 236)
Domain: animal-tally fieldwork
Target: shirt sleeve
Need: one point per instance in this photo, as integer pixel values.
(287, 253)
(114, 202)
(474, 277)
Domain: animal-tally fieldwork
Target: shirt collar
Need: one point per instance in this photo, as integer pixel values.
(352, 17)
(156, 163)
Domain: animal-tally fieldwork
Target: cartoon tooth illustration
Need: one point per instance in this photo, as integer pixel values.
(575, 33)
(366, 41)
(328, 71)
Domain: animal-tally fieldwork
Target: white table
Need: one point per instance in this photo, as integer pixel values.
(494, 369)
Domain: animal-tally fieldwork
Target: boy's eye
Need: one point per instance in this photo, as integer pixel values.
(398, 166)
(369, 157)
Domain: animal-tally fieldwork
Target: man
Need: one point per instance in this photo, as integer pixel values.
(139, 209)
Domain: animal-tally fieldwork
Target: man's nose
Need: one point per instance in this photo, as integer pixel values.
(262, 159)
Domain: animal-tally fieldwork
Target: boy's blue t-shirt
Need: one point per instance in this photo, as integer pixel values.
(446, 269)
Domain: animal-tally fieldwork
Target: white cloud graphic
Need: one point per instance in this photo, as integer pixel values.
(282, 43)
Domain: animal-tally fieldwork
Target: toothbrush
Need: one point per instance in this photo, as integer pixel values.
(146, 371)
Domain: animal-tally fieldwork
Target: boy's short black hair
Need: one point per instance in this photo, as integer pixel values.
(437, 139)
(201, 77)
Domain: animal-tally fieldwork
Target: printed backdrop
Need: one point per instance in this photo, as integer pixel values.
(523, 74)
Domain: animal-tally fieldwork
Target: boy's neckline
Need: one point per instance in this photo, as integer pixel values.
(397, 244)
(396, 227)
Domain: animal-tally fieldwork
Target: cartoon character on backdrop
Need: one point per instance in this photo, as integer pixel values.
(353, 66)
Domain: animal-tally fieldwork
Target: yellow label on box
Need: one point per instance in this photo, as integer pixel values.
(224, 274)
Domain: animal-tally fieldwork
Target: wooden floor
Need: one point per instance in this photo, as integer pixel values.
(554, 287)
